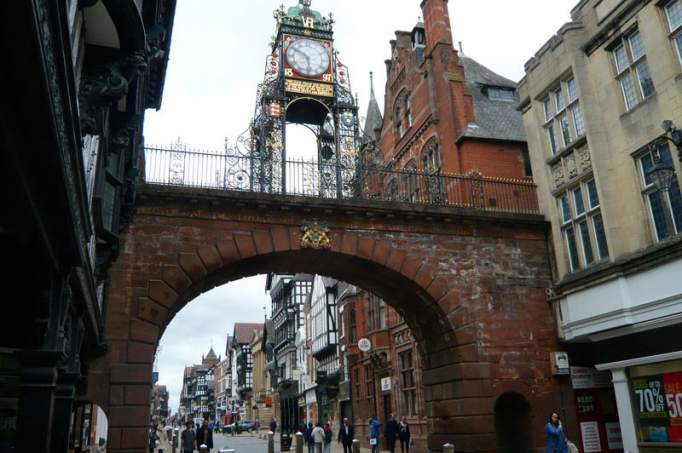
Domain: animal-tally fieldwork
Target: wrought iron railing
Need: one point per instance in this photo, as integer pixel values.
(302, 178)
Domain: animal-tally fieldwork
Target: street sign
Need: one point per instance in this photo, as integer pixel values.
(364, 344)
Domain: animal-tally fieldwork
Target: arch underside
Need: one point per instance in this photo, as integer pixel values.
(472, 294)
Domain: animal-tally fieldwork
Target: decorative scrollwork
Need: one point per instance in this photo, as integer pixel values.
(315, 235)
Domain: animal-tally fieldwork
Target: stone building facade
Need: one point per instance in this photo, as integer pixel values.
(593, 99)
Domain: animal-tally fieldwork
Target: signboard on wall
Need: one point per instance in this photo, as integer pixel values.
(583, 378)
(658, 405)
(364, 344)
(386, 384)
(589, 432)
(613, 436)
(560, 364)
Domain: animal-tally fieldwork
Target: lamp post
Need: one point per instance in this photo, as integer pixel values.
(662, 173)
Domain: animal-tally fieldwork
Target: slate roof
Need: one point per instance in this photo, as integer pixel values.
(243, 332)
(495, 119)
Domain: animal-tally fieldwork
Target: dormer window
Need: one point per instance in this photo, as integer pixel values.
(502, 94)
(418, 38)
(402, 114)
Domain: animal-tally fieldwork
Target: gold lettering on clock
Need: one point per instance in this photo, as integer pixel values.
(313, 89)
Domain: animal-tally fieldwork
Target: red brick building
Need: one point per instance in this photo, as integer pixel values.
(393, 358)
(445, 113)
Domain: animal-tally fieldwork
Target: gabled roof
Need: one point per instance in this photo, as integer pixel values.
(243, 332)
(494, 119)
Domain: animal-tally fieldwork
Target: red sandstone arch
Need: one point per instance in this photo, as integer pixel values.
(471, 289)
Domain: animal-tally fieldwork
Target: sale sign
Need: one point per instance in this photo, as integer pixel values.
(659, 403)
(672, 384)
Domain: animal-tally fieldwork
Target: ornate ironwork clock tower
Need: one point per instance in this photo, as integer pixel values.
(305, 83)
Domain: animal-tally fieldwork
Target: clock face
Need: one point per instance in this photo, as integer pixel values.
(309, 58)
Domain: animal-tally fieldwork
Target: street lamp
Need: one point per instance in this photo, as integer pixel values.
(663, 173)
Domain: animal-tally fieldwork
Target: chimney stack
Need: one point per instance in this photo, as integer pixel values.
(436, 23)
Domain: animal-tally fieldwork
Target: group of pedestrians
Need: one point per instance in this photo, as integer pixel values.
(393, 431)
(202, 437)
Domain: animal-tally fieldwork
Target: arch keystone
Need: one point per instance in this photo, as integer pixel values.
(263, 242)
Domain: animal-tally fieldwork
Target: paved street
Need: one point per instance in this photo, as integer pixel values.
(247, 443)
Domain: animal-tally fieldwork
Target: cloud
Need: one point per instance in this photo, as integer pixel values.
(206, 321)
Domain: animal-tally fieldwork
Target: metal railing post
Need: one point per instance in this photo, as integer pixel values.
(271, 442)
(356, 446)
(299, 442)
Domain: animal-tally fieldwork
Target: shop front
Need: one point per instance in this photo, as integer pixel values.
(649, 395)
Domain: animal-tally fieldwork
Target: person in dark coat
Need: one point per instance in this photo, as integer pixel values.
(404, 435)
(273, 425)
(188, 439)
(391, 433)
(153, 438)
(346, 436)
(308, 437)
(204, 436)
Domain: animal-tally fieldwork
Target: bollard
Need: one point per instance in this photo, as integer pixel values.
(299, 442)
(203, 448)
(271, 442)
(448, 448)
(356, 446)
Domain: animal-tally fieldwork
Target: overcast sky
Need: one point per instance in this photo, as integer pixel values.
(218, 57)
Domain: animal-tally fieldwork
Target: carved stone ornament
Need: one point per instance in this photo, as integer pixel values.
(315, 235)
(571, 167)
(584, 159)
(558, 175)
(103, 85)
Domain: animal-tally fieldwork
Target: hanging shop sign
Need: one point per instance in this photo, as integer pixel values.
(560, 364)
(364, 344)
(658, 405)
(386, 384)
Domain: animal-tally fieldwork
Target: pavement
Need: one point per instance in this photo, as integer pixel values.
(250, 443)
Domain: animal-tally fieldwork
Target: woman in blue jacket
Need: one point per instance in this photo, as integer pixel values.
(556, 437)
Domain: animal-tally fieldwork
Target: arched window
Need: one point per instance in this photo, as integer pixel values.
(513, 424)
(435, 184)
(402, 114)
(411, 181)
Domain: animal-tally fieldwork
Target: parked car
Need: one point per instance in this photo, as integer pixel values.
(244, 425)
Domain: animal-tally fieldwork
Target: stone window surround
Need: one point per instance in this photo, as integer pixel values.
(631, 69)
(647, 190)
(567, 112)
(675, 31)
(575, 220)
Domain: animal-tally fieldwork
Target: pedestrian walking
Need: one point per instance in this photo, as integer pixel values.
(153, 438)
(556, 437)
(273, 425)
(318, 437)
(205, 436)
(346, 436)
(391, 433)
(308, 437)
(328, 436)
(188, 438)
(374, 426)
(404, 435)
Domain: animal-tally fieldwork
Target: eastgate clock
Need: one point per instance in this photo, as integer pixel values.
(308, 57)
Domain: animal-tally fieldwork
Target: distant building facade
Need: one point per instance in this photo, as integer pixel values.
(159, 403)
(594, 98)
(197, 397)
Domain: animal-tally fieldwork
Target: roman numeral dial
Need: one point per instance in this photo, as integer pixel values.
(308, 58)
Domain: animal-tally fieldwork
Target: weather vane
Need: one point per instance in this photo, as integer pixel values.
(305, 2)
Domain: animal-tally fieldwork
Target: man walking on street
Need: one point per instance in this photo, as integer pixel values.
(318, 437)
(205, 436)
(273, 425)
(374, 426)
(391, 433)
(346, 436)
(308, 437)
(188, 438)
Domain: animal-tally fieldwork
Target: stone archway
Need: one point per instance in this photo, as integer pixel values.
(470, 287)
